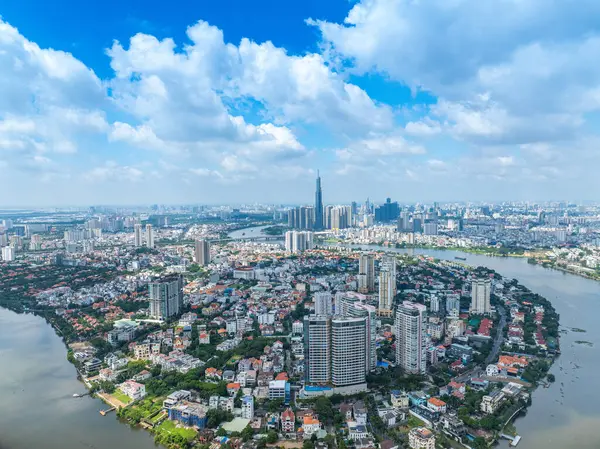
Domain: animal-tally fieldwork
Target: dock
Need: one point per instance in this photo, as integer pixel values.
(105, 412)
(513, 440)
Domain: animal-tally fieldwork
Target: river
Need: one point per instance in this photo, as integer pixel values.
(37, 383)
(566, 415)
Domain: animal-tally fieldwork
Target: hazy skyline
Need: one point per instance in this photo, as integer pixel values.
(236, 102)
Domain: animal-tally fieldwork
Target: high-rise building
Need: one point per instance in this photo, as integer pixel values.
(137, 235)
(301, 217)
(434, 304)
(166, 297)
(348, 355)
(387, 283)
(318, 205)
(481, 290)
(417, 224)
(202, 252)
(430, 227)
(298, 241)
(351, 304)
(411, 340)
(453, 306)
(248, 407)
(366, 273)
(335, 350)
(404, 222)
(388, 211)
(317, 349)
(8, 253)
(323, 303)
(149, 236)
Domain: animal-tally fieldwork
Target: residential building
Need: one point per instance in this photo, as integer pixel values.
(191, 414)
(8, 253)
(492, 402)
(279, 390)
(481, 290)
(366, 273)
(166, 297)
(133, 389)
(288, 421)
(317, 349)
(411, 351)
(202, 252)
(348, 351)
(247, 407)
(310, 426)
(387, 288)
(149, 236)
(421, 438)
(137, 235)
(323, 303)
(298, 241)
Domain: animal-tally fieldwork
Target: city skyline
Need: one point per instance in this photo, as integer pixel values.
(106, 117)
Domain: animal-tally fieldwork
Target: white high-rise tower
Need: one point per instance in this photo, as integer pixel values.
(411, 340)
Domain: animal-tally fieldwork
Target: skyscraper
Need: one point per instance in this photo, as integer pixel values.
(323, 303)
(202, 252)
(481, 290)
(334, 350)
(351, 304)
(166, 297)
(137, 235)
(298, 241)
(318, 205)
(149, 236)
(366, 273)
(411, 354)
(387, 283)
(317, 349)
(348, 355)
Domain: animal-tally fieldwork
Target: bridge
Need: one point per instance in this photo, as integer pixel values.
(258, 238)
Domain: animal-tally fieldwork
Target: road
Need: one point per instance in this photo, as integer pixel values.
(499, 336)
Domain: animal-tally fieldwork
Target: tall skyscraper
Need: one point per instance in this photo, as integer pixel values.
(348, 355)
(323, 303)
(351, 304)
(334, 350)
(318, 205)
(202, 252)
(387, 284)
(411, 340)
(366, 273)
(149, 236)
(137, 235)
(166, 297)
(481, 290)
(317, 349)
(388, 211)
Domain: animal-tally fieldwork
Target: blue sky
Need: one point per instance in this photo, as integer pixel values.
(237, 101)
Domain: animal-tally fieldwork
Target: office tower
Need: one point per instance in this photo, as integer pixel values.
(417, 225)
(298, 241)
(202, 252)
(137, 235)
(366, 273)
(351, 304)
(166, 297)
(149, 236)
(387, 282)
(388, 211)
(481, 290)
(323, 303)
(411, 354)
(453, 306)
(348, 355)
(8, 254)
(318, 205)
(430, 228)
(317, 349)
(404, 221)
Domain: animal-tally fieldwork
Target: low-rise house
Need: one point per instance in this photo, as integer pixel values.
(492, 370)
(134, 390)
(142, 375)
(310, 426)
(288, 421)
(357, 431)
(360, 412)
(176, 397)
(399, 399)
(437, 405)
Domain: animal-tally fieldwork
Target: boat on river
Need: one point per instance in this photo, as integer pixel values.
(460, 258)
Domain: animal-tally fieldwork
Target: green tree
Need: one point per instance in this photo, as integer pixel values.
(272, 437)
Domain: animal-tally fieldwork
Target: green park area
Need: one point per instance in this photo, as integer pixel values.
(120, 396)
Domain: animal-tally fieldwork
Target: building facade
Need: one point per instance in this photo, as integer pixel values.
(481, 290)
(166, 297)
(411, 351)
(202, 252)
